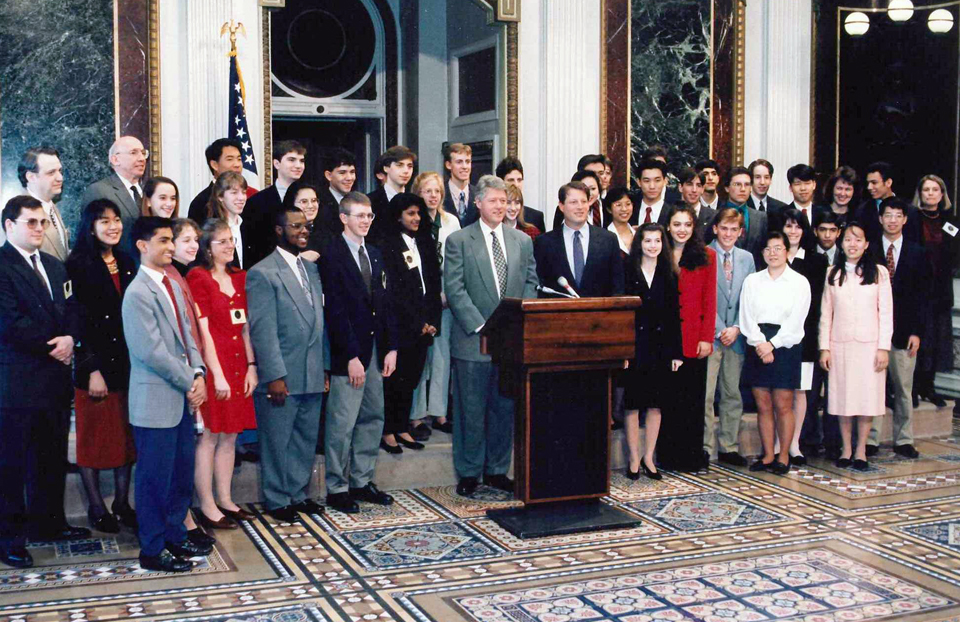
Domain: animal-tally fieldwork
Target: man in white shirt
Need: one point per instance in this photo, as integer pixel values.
(128, 159)
(41, 174)
(289, 159)
(711, 180)
(459, 195)
(762, 173)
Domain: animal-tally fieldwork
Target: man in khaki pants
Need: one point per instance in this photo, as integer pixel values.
(724, 365)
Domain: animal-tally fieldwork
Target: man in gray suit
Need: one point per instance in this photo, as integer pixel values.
(483, 263)
(41, 174)
(124, 187)
(166, 384)
(285, 300)
(733, 266)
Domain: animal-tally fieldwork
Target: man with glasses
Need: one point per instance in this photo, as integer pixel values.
(128, 159)
(363, 351)
(39, 324)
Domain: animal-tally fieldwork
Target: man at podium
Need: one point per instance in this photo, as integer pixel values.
(483, 263)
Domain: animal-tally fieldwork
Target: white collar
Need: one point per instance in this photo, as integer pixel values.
(156, 276)
(126, 182)
(25, 254)
(487, 230)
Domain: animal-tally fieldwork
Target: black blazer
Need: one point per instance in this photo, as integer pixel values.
(472, 214)
(534, 217)
(198, 206)
(356, 319)
(911, 292)
(657, 321)
(381, 207)
(102, 346)
(412, 306)
(258, 218)
(602, 273)
(814, 267)
(868, 216)
(941, 288)
(327, 225)
(29, 376)
(772, 206)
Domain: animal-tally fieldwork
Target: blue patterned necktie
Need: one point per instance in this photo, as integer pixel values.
(577, 257)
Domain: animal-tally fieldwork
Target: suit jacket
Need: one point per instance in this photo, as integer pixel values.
(288, 335)
(327, 225)
(112, 188)
(470, 286)
(52, 245)
(705, 222)
(258, 216)
(869, 216)
(413, 306)
(357, 320)
(533, 217)
(911, 293)
(753, 241)
(728, 299)
(945, 258)
(813, 266)
(698, 304)
(602, 272)
(856, 312)
(198, 206)
(773, 206)
(657, 322)
(380, 205)
(162, 359)
(472, 214)
(102, 345)
(29, 318)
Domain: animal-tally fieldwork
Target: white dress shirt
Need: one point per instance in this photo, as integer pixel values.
(336, 195)
(612, 228)
(784, 301)
(897, 245)
(57, 223)
(43, 270)
(656, 208)
(390, 192)
(758, 199)
(568, 244)
(127, 184)
(831, 254)
(158, 279)
(455, 193)
(237, 237)
(413, 248)
(281, 189)
(487, 240)
(712, 204)
(355, 251)
(291, 260)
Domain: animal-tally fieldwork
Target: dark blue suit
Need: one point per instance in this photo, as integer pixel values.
(602, 272)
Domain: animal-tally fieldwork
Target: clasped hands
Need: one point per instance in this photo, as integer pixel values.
(765, 352)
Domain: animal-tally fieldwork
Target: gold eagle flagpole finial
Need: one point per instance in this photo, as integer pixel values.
(229, 27)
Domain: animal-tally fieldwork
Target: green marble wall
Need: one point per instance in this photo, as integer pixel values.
(56, 88)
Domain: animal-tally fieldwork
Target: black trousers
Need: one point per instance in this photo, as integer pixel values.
(398, 388)
(33, 456)
(680, 444)
(819, 430)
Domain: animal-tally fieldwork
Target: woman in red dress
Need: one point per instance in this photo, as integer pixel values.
(220, 293)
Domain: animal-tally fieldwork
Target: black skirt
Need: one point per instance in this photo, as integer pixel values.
(782, 373)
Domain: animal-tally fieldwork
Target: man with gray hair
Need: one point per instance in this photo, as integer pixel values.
(124, 187)
(483, 263)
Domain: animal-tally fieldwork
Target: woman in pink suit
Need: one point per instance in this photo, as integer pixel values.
(856, 326)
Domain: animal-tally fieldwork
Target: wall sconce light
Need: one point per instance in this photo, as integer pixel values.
(857, 24)
(900, 10)
(940, 21)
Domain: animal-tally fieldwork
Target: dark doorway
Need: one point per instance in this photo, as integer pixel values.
(322, 136)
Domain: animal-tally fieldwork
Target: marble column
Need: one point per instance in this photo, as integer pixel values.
(559, 94)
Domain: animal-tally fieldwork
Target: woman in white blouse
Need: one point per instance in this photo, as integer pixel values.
(429, 185)
(773, 306)
(621, 210)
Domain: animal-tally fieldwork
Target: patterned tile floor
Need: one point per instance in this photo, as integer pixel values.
(821, 544)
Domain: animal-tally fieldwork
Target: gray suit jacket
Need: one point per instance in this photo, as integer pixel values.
(470, 285)
(162, 366)
(728, 300)
(288, 335)
(52, 244)
(112, 188)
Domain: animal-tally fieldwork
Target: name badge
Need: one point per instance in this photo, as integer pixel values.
(412, 259)
(949, 228)
(383, 279)
(68, 286)
(238, 316)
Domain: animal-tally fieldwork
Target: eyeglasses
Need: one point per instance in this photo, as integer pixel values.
(225, 242)
(362, 217)
(135, 152)
(774, 249)
(34, 223)
(307, 202)
(300, 226)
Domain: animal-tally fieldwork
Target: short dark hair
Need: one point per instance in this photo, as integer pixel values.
(615, 194)
(775, 235)
(884, 168)
(654, 151)
(401, 202)
(353, 198)
(280, 215)
(733, 172)
(760, 162)
(28, 161)
(339, 157)
(649, 163)
(508, 165)
(581, 175)
(215, 150)
(824, 217)
(145, 227)
(894, 203)
(572, 185)
(396, 154)
(803, 172)
(284, 147)
(687, 174)
(708, 163)
(590, 158)
(11, 211)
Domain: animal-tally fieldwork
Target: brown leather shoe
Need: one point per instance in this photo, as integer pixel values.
(237, 515)
(224, 523)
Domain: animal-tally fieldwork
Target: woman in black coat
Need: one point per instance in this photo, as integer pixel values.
(412, 270)
(100, 273)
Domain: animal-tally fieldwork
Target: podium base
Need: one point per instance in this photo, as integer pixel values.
(557, 519)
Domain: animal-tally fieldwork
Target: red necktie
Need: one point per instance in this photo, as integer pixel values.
(804, 210)
(646, 219)
(176, 309)
(595, 213)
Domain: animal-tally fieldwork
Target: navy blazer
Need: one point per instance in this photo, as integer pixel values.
(472, 215)
(911, 291)
(813, 266)
(869, 216)
(28, 320)
(327, 225)
(602, 272)
(259, 216)
(413, 307)
(356, 320)
(534, 217)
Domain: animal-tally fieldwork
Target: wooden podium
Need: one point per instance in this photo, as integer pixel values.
(557, 358)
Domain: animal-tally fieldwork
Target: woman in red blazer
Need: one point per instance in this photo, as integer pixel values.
(680, 447)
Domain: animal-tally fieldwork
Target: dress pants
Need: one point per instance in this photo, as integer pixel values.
(398, 389)
(437, 371)
(288, 443)
(819, 430)
(901, 369)
(723, 365)
(483, 434)
(163, 483)
(354, 428)
(33, 455)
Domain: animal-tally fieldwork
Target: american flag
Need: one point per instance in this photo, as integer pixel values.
(238, 124)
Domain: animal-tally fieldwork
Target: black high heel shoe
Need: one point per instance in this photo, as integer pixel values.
(406, 443)
(390, 449)
(654, 475)
(634, 475)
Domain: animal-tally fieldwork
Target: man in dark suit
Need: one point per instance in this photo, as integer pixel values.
(128, 159)
(761, 171)
(691, 189)
(363, 349)
(910, 277)
(879, 187)
(803, 187)
(340, 171)
(396, 164)
(483, 263)
(39, 324)
(261, 209)
(510, 170)
(459, 193)
(711, 181)
(671, 190)
(587, 257)
(596, 215)
(738, 183)
(652, 206)
(223, 154)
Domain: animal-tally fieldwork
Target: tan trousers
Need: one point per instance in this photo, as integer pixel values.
(900, 371)
(723, 366)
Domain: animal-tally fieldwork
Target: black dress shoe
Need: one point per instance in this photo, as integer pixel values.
(654, 475)
(779, 468)
(341, 502)
(225, 522)
(16, 556)
(760, 465)
(188, 549)
(390, 449)
(844, 463)
(105, 523)
(937, 401)
(165, 562)
(371, 494)
(499, 481)
(446, 426)
(200, 538)
(237, 515)
(467, 486)
(872, 450)
(408, 444)
(309, 506)
(732, 458)
(66, 532)
(916, 400)
(126, 515)
(634, 475)
(907, 451)
(420, 432)
(285, 514)
(861, 465)
(798, 460)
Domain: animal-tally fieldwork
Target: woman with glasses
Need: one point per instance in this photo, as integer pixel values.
(773, 307)
(219, 289)
(306, 198)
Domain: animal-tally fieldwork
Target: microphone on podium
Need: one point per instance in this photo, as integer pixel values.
(552, 292)
(565, 284)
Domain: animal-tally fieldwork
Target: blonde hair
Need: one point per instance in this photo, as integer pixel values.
(423, 178)
(944, 201)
